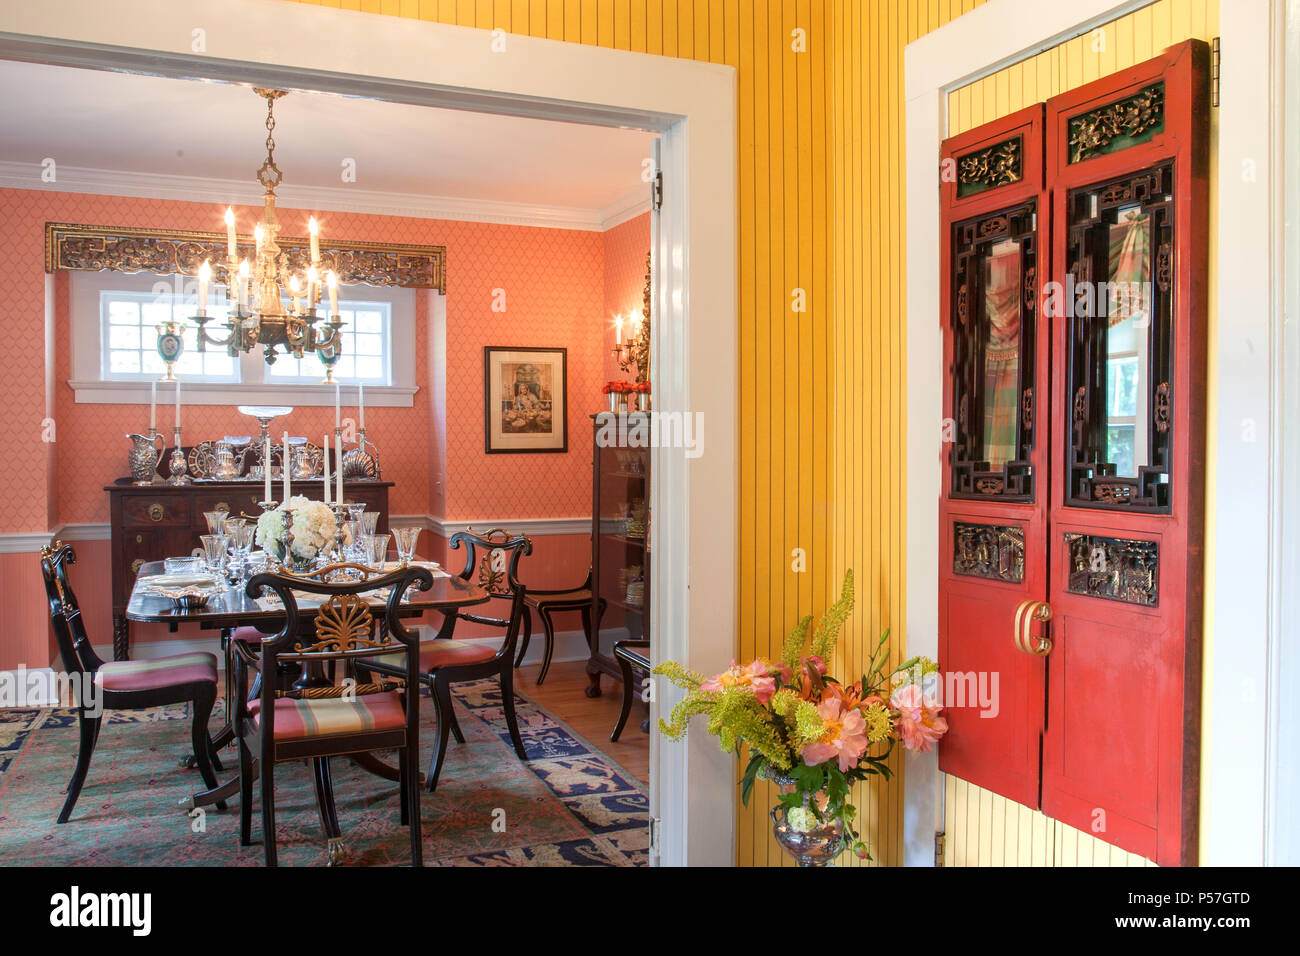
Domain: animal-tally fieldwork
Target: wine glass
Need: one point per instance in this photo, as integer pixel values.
(377, 545)
(404, 539)
(369, 521)
(214, 520)
(214, 552)
(242, 543)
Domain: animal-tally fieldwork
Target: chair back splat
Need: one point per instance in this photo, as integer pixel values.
(316, 718)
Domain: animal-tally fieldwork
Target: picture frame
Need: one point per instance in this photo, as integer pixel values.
(525, 400)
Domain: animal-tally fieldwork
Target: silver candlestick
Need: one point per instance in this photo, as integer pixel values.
(177, 465)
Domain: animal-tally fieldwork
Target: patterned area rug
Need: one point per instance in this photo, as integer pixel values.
(569, 805)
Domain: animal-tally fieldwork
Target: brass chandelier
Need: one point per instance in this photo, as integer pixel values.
(273, 301)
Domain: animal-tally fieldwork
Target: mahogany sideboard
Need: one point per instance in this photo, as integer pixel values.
(153, 522)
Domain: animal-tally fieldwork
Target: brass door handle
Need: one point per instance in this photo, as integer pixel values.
(1026, 614)
(136, 565)
(156, 512)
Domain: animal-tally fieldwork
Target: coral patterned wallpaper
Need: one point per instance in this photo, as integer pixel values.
(553, 293)
(626, 246)
(556, 294)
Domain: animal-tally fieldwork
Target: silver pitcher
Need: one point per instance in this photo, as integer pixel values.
(144, 456)
(223, 464)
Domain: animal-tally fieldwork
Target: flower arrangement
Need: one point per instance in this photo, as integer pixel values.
(805, 730)
(621, 387)
(312, 524)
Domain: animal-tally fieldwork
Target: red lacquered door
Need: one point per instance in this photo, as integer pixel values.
(1127, 162)
(993, 514)
(1072, 515)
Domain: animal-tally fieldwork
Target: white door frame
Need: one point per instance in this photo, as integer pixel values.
(1240, 789)
(691, 105)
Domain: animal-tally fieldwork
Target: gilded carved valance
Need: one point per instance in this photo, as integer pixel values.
(179, 252)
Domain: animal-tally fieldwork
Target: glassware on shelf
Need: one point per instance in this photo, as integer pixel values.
(214, 520)
(404, 539)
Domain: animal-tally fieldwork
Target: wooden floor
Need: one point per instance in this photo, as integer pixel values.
(562, 696)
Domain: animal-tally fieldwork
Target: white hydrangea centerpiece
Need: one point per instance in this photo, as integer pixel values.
(312, 525)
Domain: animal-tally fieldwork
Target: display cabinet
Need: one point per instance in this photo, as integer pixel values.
(620, 539)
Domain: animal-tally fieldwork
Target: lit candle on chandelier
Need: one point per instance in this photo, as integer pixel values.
(618, 329)
(333, 282)
(314, 230)
(259, 234)
(205, 273)
(293, 292)
(313, 288)
(231, 253)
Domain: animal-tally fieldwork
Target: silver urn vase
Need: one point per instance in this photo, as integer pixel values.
(817, 846)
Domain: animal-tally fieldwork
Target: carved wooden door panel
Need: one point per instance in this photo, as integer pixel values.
(1128, 161)
(1072, 515)
(992, 517)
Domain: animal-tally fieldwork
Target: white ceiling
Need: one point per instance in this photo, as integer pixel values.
(123, 123)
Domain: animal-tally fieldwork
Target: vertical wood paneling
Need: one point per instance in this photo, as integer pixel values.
(1139, 36)
(822, 425)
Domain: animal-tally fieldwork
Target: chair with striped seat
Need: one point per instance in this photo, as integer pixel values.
(315, 718)
(122, 685)
(494, 558)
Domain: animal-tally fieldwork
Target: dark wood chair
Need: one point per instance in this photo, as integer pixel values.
(631, 656)
(547, 603)
(314, 718)
(122, 685)
(494, 558)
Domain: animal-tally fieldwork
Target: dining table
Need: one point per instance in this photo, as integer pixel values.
(232, 608)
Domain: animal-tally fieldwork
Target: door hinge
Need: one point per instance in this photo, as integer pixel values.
(654, 836)
(1215, 71)
(938, 848)
(657, 190)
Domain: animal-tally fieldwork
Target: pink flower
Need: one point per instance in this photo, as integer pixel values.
(816, 665)
(756, 676)
(845, 736)
(919, 724)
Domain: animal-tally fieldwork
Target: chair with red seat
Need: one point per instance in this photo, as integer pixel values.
(315, 719)
(122, 685)
(444, 661)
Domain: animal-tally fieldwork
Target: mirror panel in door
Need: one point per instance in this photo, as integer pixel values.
(994, 261)
(1118, 301)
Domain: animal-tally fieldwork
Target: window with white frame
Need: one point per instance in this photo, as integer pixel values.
(128, 337)
(115, 319)
(366, 358)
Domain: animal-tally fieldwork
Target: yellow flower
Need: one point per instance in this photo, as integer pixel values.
(880, 722)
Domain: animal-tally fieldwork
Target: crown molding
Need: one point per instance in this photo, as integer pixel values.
(625, 207)
(225, 192)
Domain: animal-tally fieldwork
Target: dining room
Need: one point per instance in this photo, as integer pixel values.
(373, 367)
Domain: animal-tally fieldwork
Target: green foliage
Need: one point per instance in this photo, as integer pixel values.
(792, 650)
(679, 675)
(828, 629)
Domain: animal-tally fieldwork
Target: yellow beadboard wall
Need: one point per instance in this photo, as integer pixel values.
(823, 392)
(822, 422)
(982, 828)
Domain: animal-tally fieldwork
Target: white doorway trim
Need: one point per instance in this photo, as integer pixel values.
(691, 104)
(1244, 479)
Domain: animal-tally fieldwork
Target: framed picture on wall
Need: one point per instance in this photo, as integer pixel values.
(526, 400)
